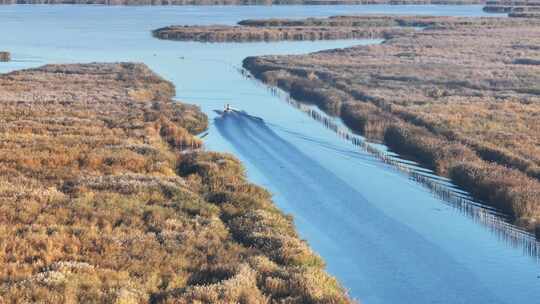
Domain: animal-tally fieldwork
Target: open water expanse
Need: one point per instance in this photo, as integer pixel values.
(387, 238)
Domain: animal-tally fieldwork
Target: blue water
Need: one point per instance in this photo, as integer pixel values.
(385, 237)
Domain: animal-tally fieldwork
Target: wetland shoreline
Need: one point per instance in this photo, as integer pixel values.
(445, 254)
(390, 104)
(107, 196)
(382, 92)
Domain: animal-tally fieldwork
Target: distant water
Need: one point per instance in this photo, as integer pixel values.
(387, 238)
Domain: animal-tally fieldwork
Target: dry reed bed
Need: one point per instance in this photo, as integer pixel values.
(517, 9)
(462, 98)
(364, 21)
(338, 27)
(255, 34)
(105, 198)
(333, 28)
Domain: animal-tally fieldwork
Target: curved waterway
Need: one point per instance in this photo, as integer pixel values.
(388, 234)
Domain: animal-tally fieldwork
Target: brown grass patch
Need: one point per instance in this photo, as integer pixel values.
(458, 92)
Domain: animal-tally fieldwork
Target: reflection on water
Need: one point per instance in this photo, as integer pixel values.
(441, 187)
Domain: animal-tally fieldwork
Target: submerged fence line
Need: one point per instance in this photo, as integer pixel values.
(478, 212)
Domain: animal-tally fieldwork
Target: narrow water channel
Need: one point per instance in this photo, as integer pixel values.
(387, 238)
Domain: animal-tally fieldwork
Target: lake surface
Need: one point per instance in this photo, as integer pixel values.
(387, 238)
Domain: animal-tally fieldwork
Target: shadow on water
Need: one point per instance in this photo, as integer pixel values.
(359, 239)
(441, 187)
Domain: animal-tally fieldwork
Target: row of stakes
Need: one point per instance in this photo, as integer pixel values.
(492, 219)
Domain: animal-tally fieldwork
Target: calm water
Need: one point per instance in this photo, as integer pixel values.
(387, 238)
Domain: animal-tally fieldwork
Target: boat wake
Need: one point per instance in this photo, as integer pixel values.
(357, 239)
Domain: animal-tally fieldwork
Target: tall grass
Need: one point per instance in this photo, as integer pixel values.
(449, 96)
(105, 197)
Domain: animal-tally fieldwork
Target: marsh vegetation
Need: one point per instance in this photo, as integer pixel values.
(255, 34)
(461, 97)
(311, 29)
(107, 196)
(516, 9)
